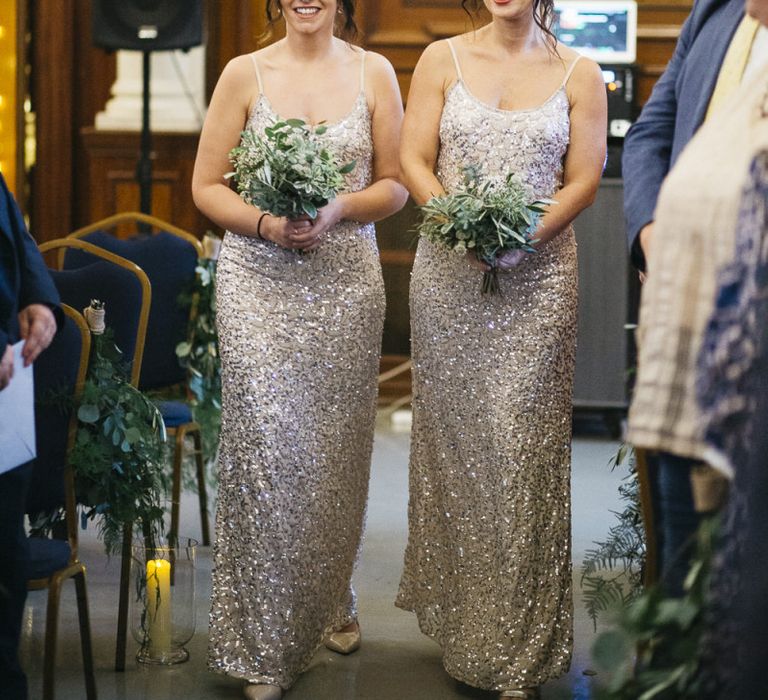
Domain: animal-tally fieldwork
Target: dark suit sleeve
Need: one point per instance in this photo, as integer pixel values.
(35, 283)
(648, 147)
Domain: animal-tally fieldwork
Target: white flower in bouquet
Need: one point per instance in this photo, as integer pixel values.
(287, 171)
(488, 218)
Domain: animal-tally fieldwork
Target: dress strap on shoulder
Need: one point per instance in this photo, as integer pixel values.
(257, 71)
(570, 70)
(362, 71)
(455, 59)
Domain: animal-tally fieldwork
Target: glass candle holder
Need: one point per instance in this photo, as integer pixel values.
(163, 604)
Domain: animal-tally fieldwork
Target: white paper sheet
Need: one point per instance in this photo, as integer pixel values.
(17, 416)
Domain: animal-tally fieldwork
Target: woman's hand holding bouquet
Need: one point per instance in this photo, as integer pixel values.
(290, 175)
(494, 222)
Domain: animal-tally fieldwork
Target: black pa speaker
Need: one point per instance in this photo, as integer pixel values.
(147, 25)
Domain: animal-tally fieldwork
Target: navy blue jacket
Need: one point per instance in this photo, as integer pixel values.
(675, 110)
(24, 278)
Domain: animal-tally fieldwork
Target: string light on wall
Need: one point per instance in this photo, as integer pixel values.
(8, 86)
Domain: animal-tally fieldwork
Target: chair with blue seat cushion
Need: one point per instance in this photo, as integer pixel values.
(61, 370)
(169, 256)
(169, 262)
(123, 287)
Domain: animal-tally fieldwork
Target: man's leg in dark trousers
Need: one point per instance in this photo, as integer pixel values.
(14, 561)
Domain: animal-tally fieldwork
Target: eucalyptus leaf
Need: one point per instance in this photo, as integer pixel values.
(610, 649)
(133, 435)
(88, 413)
(286, 170)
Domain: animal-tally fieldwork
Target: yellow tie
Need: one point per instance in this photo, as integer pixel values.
(734, 63)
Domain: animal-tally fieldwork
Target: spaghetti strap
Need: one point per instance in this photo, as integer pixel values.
(570, 70)
(258, 73)
(362, 72)
(455, 60)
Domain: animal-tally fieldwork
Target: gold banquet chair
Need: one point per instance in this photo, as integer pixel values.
(169, 257)
(62, 366)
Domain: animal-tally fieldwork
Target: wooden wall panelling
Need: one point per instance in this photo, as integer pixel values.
(659, 26)
(51, 178)
(69, 83)
(111, 176)
(234, 27)
(96, 69)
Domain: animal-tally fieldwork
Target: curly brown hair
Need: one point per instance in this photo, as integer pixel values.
(543, 15)
(349, 28)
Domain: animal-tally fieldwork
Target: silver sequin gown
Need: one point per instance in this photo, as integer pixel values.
(488, 564)
(300, 344)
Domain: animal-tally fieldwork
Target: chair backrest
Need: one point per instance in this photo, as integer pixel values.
(134, 220)
(59, 371)
(169, 257)
(121, 284)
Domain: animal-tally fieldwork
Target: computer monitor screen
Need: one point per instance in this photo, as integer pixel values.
(605, 30)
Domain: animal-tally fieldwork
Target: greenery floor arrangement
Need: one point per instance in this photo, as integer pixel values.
(652, 648)
(612, 572)
(119, 452)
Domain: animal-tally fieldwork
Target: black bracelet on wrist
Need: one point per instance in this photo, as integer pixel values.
(258, 226)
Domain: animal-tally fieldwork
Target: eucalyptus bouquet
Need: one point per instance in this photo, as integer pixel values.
(287, 171)
(488, 217)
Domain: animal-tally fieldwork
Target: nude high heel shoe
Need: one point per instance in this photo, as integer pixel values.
(262, 691)
(343, 642)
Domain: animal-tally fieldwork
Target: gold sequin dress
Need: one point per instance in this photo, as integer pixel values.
(300, 338)
(488, 563)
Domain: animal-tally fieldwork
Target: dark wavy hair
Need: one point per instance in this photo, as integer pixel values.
(543, 15)
(348, 29)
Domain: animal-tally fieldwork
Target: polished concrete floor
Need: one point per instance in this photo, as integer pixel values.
(395, 661)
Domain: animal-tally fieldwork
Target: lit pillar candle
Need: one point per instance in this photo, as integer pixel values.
(159, 606)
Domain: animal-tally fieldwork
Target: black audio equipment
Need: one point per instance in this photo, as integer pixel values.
(147, 25)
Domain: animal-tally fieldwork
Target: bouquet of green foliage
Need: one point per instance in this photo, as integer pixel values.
(287, 171)
(488, 217)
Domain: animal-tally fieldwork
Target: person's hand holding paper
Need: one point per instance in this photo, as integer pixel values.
(17, 399)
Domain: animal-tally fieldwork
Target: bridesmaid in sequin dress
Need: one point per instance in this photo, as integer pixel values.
(488, 563)
(300, 309)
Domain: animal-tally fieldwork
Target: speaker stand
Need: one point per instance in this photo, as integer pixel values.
(144, 168)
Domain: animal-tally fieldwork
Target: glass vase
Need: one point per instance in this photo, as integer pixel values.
(163, 601)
